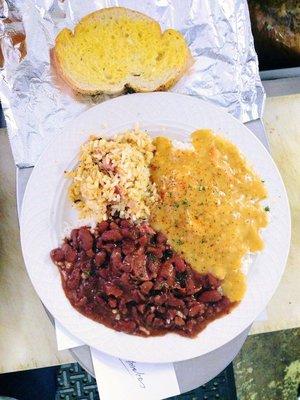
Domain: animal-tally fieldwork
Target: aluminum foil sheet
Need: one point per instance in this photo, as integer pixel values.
(37, 104)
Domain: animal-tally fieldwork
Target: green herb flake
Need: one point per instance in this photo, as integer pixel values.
(267, 208)
(151, 257)
(176, 205)
(185, 202)
(180, 242)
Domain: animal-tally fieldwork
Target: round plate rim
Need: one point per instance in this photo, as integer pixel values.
(163, 96)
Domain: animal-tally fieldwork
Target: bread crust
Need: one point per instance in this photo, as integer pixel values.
(118, 88)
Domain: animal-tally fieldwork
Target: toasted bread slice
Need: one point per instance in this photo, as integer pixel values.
(115, 48)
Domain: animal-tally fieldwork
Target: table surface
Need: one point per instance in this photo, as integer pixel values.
(27, 338)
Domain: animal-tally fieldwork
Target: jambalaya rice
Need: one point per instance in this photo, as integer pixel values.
(113, 177)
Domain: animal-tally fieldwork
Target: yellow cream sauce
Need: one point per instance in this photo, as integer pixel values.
(209, 206)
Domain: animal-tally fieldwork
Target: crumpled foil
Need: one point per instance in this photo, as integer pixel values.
(36, 103)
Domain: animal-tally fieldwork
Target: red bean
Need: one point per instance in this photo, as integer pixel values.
(125, 279)
(74, 279)
(149, 319)
(153, 267)
(81, 302)
(158, 323)
(179, 321)
(102, 226)
(213, 281)
(113, 225)
(135, 282)
(85, 238)
(70, 254)
(196, 309)
(112, 303)
(179, 264)
(74, 236)
(167, 270)
(156, 251)
(136, 295)
(160, 299)
(138, 266)
(146, 287)
(175, 302)
(126, 326)
(128, 247)
(125, 223)
(112, 290)
(57, 255)
(161, 238)
(115, 258)
(143, 240)
(171, 313)
(104, 273)
(191, 288)
(210, 296)
(112, 235)
(108, 247)
(144, 228)
(100, 258)
(90, 253)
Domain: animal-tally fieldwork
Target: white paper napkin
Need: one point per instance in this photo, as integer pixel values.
(122, 379)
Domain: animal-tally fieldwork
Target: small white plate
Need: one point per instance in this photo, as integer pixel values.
(47, 212)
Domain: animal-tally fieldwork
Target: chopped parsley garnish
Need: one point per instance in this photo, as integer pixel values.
(267, 208)
(176, 205)
(185, 202)
(151, 256)
(179, 242)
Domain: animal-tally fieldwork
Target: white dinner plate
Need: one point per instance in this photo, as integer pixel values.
(46, 213)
